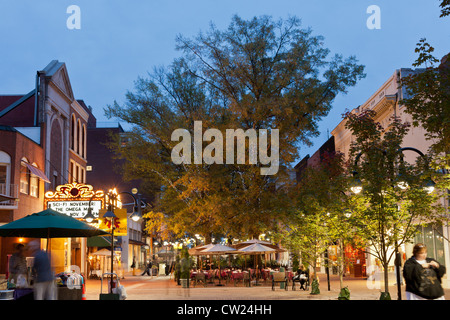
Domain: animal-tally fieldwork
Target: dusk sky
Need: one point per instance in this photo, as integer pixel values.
(122, 40)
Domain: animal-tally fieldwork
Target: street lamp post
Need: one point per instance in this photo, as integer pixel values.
(429, 187)
(110, 216)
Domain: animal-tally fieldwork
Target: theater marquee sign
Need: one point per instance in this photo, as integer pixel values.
(74, 200)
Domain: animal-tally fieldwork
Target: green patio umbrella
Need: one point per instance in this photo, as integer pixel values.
(49, 224)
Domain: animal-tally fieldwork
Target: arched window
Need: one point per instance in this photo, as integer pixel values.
(34, 184)
(5, 170)
(83, 142)
(78, 145)
(24, 176)
(73, 127)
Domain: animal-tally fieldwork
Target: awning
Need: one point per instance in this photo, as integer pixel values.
(41, 175)
(6, 198)
(99, 242)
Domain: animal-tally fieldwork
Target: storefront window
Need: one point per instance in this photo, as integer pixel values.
(439, 244)
(432, 237)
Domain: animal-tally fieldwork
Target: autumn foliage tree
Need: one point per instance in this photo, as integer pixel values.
(257, 74)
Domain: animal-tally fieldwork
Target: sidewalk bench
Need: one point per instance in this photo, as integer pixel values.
(279, 277)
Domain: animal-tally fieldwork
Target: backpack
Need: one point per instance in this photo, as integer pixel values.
(430, 284)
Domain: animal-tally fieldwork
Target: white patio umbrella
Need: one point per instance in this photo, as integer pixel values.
(253, 241)
(195, 251)
(218, 249)
(105, 253)
(255, 249)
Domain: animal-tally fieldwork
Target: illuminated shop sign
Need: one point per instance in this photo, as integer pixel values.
(77, 208)
(74, 199)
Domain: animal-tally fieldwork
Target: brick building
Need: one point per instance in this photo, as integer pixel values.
(42, 145)
(105, 172)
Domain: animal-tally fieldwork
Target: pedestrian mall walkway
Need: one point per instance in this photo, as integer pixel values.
(164, 288)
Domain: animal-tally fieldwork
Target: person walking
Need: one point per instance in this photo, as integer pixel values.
(423, 276)
(17, 264)
(44, 281)
(133, 266)
(148, 269)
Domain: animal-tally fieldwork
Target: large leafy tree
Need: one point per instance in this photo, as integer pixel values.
(445, 8)
(323, 214)
(257, 74)
(394, 198)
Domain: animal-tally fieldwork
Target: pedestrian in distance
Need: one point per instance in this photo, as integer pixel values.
(133, 265)
(148, 269)
(423, 276)
(44, 281)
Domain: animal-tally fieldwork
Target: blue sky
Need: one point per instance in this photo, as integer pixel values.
(121, 40)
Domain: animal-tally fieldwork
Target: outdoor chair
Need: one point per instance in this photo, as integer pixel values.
(246, 279)
(200, 277)
(211, 276)
(237, 276)
(264, 275)
(279, 277)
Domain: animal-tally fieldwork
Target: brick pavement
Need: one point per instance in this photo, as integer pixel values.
(164, 288)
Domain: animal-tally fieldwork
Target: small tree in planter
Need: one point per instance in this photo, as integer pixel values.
(177, 273)
(185, 268)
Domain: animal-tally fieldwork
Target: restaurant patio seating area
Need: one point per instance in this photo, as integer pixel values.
(223, 272)
(239, 277)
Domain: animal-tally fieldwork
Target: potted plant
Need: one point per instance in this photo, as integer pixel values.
(185, 268)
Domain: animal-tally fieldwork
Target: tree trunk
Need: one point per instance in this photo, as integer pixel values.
(386, 278)
(341, 264)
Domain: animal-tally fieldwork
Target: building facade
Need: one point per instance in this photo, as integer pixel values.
(386, 102)
(42, 145)
(105, 172)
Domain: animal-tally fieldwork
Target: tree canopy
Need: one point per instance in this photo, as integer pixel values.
(256, 74)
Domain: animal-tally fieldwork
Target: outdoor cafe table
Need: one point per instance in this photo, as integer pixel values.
(194, 273)
(237, 275)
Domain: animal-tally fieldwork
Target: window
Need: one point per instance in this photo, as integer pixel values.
(78, 144)
(82, 176)
(71, 178)
(5, 165)
(83, 142)
(72, 133)
(24, 177)
(55, 179)
(3, 173)
(434, 240)
(34, 184)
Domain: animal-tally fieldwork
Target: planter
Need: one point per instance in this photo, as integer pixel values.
(184, 283)
(315, 287)
(344, 294)
(385, 296)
